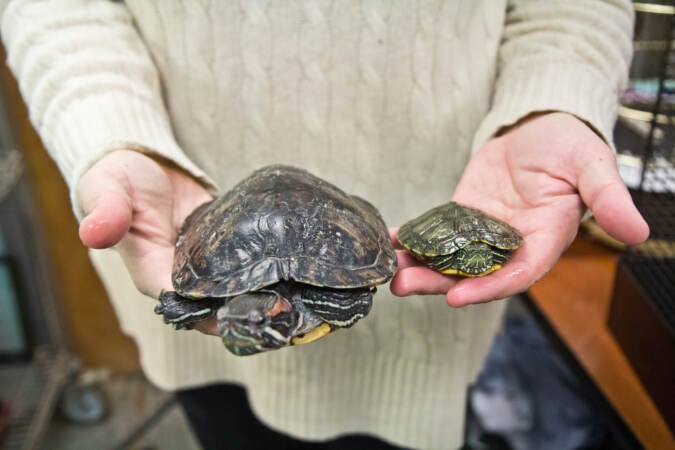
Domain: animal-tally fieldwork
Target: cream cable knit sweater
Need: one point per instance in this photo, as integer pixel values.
(385, 99)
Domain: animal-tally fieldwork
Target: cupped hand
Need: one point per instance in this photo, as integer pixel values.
(137, 204)
(539, 176)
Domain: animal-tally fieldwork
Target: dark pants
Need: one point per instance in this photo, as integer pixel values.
(222, 419)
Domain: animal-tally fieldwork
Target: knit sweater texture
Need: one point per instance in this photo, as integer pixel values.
(386, 99)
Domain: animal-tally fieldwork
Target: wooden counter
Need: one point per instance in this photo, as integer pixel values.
(575, 297)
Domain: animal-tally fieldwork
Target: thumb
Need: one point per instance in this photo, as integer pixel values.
(604, 192)
(108, 213)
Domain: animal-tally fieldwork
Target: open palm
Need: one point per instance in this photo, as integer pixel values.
(539, 177)
(137, 204)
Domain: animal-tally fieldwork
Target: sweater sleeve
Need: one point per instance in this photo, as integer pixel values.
(569, 55)
(89, 83)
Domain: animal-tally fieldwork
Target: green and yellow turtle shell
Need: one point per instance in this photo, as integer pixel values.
(457, 240)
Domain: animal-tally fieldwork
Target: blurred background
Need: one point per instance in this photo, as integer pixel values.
(586, 358)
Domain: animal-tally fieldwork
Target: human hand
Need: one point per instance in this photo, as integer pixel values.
(137, 204)
(537, 177)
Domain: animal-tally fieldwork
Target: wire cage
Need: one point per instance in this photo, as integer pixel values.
(642, 313)
(655, 193)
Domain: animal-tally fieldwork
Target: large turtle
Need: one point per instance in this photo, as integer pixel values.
(284, 258)
(457, 240)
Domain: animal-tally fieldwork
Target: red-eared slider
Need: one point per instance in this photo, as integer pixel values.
(284, 258)
(458, 240)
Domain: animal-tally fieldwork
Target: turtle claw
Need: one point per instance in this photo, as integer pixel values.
(182, 313)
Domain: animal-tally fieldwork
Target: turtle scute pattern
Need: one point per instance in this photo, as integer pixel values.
(458, 240)
(283, 258)
(282, 223)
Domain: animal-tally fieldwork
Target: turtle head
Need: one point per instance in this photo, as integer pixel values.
(261, 321)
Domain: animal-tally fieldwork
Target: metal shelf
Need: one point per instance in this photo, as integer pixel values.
(32, 389)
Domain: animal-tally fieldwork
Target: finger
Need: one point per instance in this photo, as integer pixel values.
(515, 277)
(412, 278)
(616, 213)
(420, 280)
(393, 231)
(108, 220)
(405, 259)
(150, 266)
(208, 326)
(528, 264)
(605, 193)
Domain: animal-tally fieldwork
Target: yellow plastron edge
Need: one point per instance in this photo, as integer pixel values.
(464, 274)
(314, 335)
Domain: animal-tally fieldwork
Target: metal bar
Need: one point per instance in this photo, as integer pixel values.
(143, 428)
(649, 144)
(653, 8)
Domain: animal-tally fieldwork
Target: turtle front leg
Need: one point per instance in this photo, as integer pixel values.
(184, 312)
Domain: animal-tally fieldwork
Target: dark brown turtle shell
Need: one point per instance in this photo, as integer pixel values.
(281, 223)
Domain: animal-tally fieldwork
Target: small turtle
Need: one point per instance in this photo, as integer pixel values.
(457, 240)
(284, 258)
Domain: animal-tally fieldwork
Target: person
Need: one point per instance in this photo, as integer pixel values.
(151, 108)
